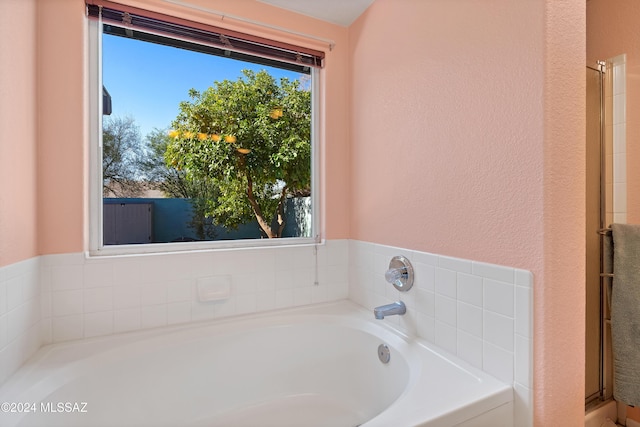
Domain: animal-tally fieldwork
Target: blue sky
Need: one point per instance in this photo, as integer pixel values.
(148, 81)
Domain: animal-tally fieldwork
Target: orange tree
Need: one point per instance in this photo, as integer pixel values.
(251, 138)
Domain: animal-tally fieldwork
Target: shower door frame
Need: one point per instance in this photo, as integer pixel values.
(604, 391)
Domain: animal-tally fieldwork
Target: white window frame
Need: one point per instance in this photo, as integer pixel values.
(95, 184)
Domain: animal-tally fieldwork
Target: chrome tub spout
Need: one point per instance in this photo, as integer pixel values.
(390, 310)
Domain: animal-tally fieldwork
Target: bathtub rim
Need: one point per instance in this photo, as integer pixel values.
(343, 311)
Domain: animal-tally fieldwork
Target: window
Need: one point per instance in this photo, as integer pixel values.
(197, 142)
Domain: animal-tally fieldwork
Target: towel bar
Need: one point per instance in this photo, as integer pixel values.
(604, 231)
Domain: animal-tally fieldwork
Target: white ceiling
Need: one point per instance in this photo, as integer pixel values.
(341, 12)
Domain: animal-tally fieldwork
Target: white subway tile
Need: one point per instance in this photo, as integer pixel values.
(455, 264)
(446, 336)
(67, 302)
(425, 302)
(98, 299)
(98, 274)
(408, 322)
(6, 366)
(127, 296)
(32, 311)
(45, 278)
(619, 138)
(178, 312)
(619, 108)
(224, 308)
(285, 279)
(179, 290)
(303, 277)
(380, 286)
(319, 293)
(4, 331)
(426, 327)
(469, 289)
(98, 324)
(446, 282)
(299, 256)
(381, 264)
(446, 310)
(498, 330)
(337, 252)
(284, 298)
(16, 322)
(202, 311)
(67, 328)
(153, 316)
(620, 167)
(66, 277)
(246, 303)
(31, 289)
(424, 276)
(128, 272)
(357, 253)
(497, 362)
(409, 299)
(126, 320)
(46, 331)
(470, 348)
(337, 274)
(4, 303)
(337, 292)
(153, 294)
(418, 257)
(619, 80)
(45, 305)
(523, 310)
(523, 359)
(495, 272)
(523, 278)
(265, 301)
(499, 297)
(470, 319)
(74, 258)
(391, 292)
(14, 288)
(302, 296)
(265, 283)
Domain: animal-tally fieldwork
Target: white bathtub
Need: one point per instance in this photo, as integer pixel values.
(314, 366)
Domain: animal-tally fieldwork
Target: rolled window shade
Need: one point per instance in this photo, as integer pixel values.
(221, 39)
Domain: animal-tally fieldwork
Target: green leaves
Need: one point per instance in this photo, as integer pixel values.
(252, 138)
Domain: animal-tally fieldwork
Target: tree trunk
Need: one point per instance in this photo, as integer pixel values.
(264, 225)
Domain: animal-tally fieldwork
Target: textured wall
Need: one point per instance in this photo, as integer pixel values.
(559, 308)
(18, 137)
(446, 128)
(468, 140)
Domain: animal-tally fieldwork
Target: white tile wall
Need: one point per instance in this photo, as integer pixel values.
(616, 96)
(88, 297)
(480, 312)
(20, 315)
(477, 311)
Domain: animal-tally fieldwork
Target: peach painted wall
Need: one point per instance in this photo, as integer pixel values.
(467, 139)
(61, 131)
(18, 140)
(612, 29)
(62, 110)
